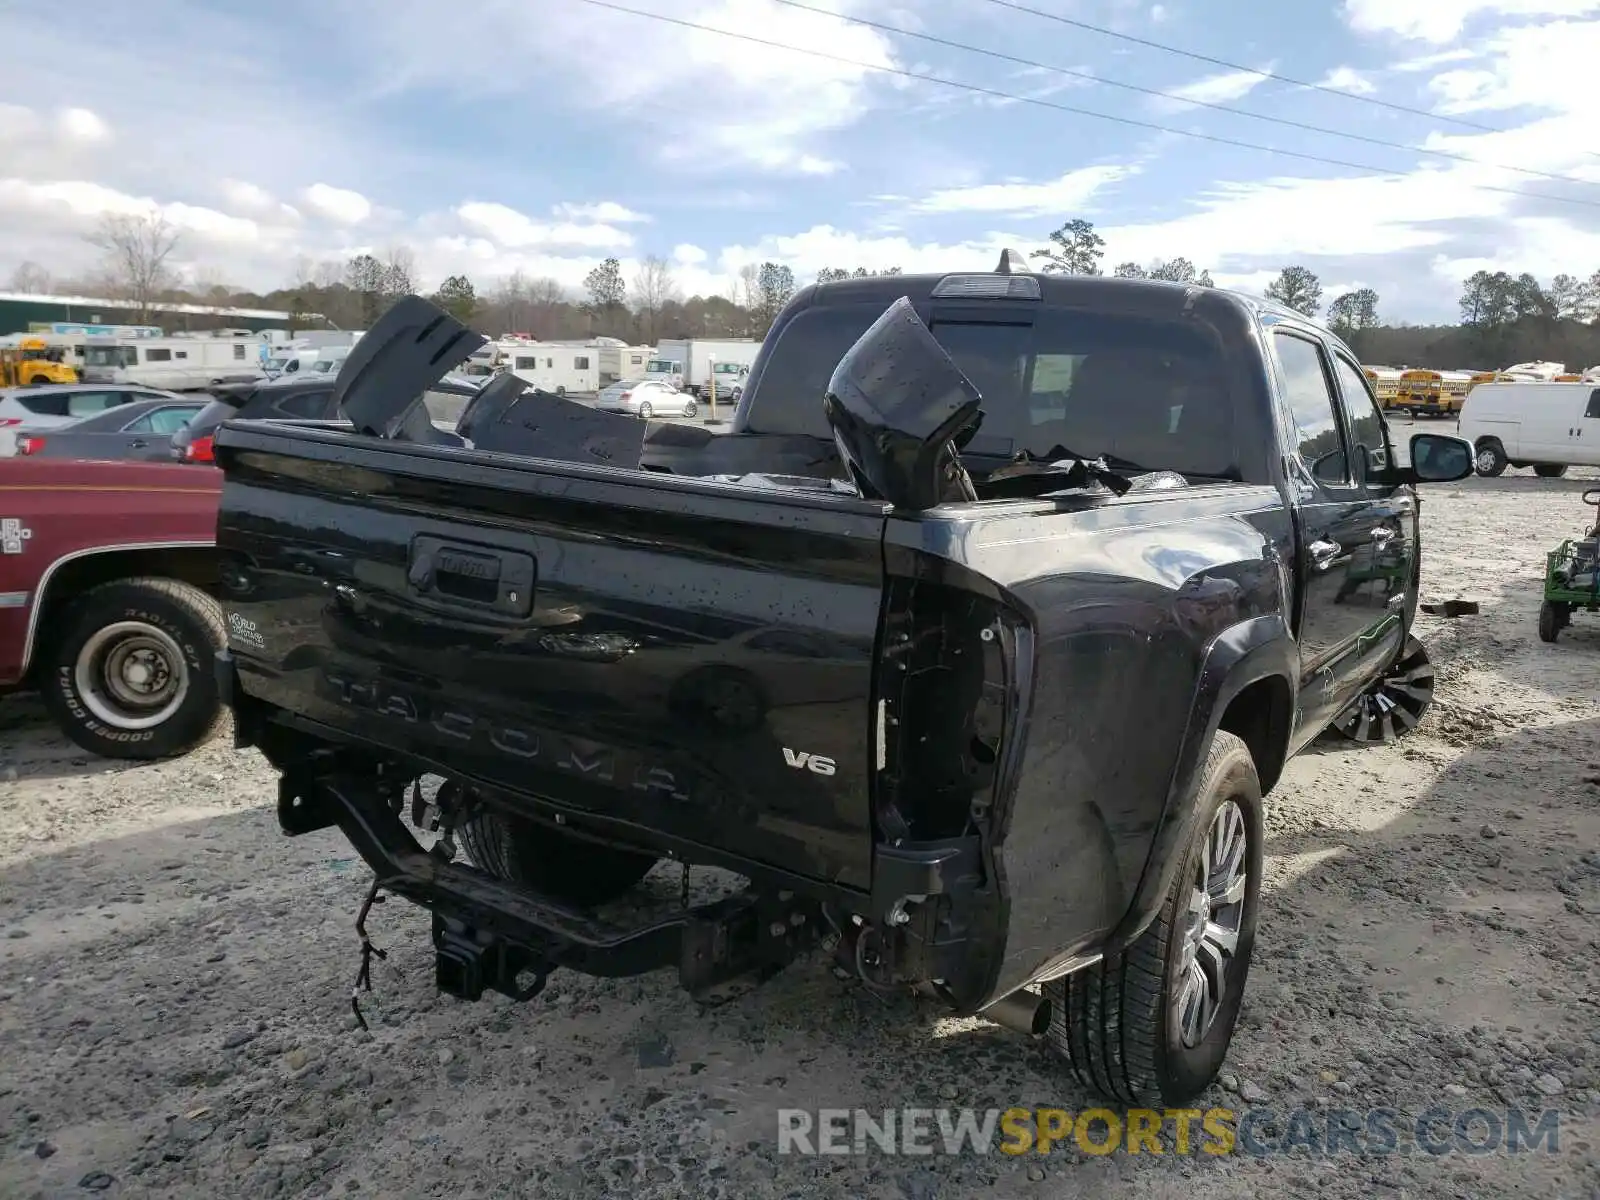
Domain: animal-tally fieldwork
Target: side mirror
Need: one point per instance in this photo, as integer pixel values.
(1438, 458)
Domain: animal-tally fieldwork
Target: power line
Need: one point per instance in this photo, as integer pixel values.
(1038, 102)
(1133, 87)
(1232, 66)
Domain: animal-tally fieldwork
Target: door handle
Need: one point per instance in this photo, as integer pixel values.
(1322, 552)
(1382, 533)
(138, 443)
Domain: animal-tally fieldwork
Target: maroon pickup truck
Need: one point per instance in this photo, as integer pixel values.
(107, 573)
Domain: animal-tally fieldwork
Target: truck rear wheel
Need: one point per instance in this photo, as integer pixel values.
(547, 860)
(1151, 1025)
(1549, 470)
(132, 676)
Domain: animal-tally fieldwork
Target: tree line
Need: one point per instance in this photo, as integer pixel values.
(1504, 318)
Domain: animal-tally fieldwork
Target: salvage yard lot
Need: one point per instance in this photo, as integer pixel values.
(174, 977)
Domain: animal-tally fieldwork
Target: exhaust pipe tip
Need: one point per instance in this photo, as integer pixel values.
(1022, 1011)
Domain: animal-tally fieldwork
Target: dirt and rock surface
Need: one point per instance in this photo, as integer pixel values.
(175, 978)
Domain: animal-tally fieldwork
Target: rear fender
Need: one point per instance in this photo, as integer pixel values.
(1250, 652)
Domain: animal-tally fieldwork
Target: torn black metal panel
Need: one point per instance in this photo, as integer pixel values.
(900, 409)
(508, 417)
(1060, 469)
(412, 347)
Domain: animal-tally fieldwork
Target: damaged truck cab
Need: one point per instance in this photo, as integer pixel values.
(978, 684)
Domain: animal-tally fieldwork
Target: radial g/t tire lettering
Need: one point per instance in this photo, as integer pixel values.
(1115, 1022)
(165, 634)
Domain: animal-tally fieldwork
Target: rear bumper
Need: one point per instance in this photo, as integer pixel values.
(488, 931)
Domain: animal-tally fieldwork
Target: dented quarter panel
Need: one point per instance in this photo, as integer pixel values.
(1127, 599)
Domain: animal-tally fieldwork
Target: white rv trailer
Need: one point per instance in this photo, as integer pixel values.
(179, 362)
(559, 367)
(1535, 372)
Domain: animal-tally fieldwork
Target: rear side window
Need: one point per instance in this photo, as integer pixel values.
(1594, 404)
(306, 405)
(209, 417)
(161, 421)
(83, 404)
(44, 406)
(157, 354)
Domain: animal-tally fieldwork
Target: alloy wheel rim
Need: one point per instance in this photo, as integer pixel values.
(1396, 703)
(1214, 917)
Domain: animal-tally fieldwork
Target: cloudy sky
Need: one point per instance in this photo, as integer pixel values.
(543, 135)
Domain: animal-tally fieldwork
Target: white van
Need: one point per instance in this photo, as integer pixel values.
(1548, 426)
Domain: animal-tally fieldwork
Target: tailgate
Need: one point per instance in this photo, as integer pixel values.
(693, 658)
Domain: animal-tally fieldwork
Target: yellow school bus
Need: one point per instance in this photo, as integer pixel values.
(1385, 383)
(1420, 392)
(1488, 377)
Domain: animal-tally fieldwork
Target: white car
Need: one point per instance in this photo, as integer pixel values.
(50, 405)
(645, 399)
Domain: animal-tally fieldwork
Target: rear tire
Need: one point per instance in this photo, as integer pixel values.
(1551, 619)
(1490, 457)
(645, 410)
(1549, 470)
(546, 860)
(1119, 1023)
(133, 675)
(690, 408)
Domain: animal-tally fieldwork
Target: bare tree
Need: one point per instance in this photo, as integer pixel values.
(136, 250)
(746, 292)
(653, 287)
(329, 273)
(31, 278)
(399, 272)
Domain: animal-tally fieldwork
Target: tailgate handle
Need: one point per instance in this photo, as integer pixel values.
(449, 574)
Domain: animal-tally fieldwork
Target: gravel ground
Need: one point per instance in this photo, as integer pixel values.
(174, 975)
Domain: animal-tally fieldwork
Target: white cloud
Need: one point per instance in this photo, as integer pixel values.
(1442, 21)
(82, 125)
(338, 204)
(1211, 89)
(1347, 79)
(687, 255)
(1019, 198)
(1158, 14)
(508, 227)
(17, 123)
(810, 164)
(695, 100)
(608, 211)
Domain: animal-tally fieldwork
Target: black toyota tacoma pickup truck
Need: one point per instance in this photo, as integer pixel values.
(977, 676)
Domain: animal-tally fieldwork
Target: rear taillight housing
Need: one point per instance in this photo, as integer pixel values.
(199, 450)
(29, 445)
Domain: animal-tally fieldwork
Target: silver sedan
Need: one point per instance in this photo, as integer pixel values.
(646, 399)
